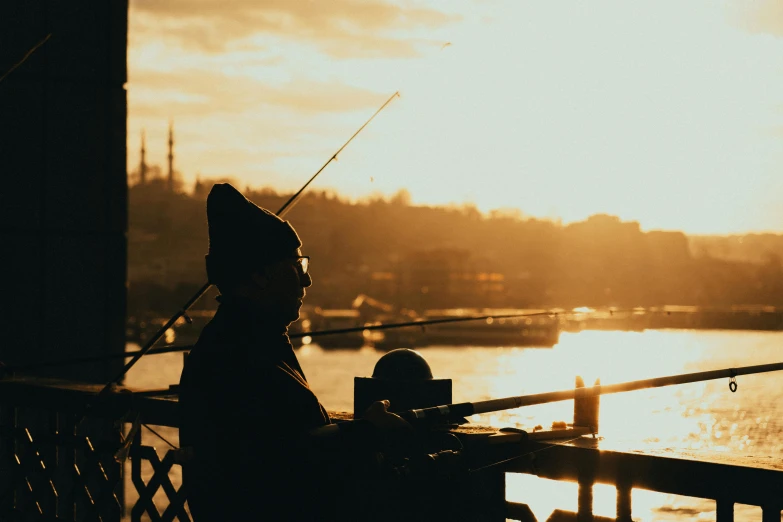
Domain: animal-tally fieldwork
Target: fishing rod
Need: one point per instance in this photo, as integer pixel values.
(296, 196)
(27, 55)
(370, 327)
(183, 311)
(183, 348)
(466, 409)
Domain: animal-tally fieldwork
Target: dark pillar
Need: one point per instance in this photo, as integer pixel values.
(724, 510)
(771, 513)
(63, 201)
(624, 494)
(587, 467)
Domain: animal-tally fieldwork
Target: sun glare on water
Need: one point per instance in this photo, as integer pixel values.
(691, 419)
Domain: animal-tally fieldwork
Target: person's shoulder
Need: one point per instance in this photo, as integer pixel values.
(214, 358)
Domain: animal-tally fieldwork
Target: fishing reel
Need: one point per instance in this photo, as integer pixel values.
(441, 465)
(434, 482)
(422, 455)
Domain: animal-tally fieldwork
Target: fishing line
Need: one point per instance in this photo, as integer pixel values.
(60, 18)
(554, 314)
(182, 348)
(27, 55)
(161, 437)
(183, 311)
(280, 213)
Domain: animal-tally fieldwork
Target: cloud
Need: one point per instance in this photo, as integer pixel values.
(199, 91)
(340, 28)
(238, 124)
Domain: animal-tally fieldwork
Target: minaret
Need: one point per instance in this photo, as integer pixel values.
(143, 162)
(171, 156)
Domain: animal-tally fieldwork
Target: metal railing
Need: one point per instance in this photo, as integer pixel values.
(55, 470)
(726, 484)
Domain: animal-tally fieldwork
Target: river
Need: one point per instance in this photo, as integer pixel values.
(693, 418)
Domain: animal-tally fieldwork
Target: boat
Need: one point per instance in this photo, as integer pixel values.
(393, 338)
(534, 331)
(337, 319)
(611, 318)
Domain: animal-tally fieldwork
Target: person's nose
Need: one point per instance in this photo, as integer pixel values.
(305, 280)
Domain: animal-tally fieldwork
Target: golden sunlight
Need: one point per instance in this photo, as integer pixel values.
(661, 112)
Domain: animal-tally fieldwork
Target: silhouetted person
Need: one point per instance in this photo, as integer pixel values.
(263, 447)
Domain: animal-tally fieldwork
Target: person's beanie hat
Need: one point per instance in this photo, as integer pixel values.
(243, 236)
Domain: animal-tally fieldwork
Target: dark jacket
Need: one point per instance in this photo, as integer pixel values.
(246, 412)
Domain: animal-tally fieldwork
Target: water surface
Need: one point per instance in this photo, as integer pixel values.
(692, 418)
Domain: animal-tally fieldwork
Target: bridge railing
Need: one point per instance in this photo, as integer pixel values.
(58, 449)
(582, 462)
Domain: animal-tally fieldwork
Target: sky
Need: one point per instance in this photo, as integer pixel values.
(665, 112)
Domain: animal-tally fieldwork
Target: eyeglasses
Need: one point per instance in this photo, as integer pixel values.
(303, 263)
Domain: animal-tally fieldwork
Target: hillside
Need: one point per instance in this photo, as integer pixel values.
(419, 256)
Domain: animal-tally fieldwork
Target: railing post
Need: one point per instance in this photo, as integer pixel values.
(7, 467)
(624, 492)
(144, 500)
(586, 409)
(585, 481)
(66, 473)
(724, 510)
(771, 512)
(585, 503)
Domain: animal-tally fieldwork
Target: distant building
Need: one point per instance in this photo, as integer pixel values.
(143, 162)
(171, 157)
(200, 190)
(148, 174)
(439, 278)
